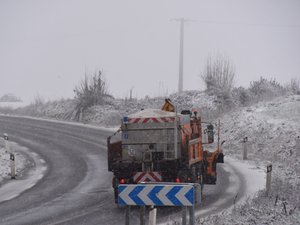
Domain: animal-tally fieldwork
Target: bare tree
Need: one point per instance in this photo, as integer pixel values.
(218, 75)
(92, 90)
(295, 86)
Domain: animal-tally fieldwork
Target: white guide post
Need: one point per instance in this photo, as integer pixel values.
(298, 147)
(12, 157)
(268, 181)
(245, 140)
(152, 216)
(80, 115)
(12, 166)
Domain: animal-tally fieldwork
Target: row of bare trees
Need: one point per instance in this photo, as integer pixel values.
(219, 75)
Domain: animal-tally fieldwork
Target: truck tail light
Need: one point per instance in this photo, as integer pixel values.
(177, 180)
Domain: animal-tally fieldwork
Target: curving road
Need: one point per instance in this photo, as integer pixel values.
(76, 187)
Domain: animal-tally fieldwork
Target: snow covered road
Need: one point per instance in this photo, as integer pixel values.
(76, 187)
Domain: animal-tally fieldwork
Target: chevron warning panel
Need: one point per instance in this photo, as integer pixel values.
(152, 120)
(156, 194)
(147, 177)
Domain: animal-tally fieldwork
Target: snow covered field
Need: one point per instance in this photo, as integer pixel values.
(13, 105)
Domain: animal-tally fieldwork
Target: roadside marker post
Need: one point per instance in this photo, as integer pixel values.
(152, 216)
(159, 194)
(12, 166)
(268, 180)
(245, 140)
(184, 211)
(298, 147)
(11, 156)
(5, 136)
(192, 215)
(127, 215)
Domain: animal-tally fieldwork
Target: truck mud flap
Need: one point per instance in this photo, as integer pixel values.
(220, 158)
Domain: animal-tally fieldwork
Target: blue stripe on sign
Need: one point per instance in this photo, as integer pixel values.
(120, 200)
(121, 188)
(133, 195)
(171, 195)
(190, 195)
(153, 195)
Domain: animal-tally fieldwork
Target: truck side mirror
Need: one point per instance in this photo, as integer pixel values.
(210, 133)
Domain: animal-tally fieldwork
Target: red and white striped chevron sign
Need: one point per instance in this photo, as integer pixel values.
(152, 120)
(157, 194)
(147, 177)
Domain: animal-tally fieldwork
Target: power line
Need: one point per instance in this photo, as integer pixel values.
(249, 24)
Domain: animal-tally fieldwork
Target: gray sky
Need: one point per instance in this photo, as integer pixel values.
(47, 45)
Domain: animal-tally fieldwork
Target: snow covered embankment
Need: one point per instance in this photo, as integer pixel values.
(245, 180)
(272, 128)
(30, 168)
(5, 163)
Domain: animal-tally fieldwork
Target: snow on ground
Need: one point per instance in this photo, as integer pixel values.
(255, 176)
(30, 168)
(13, 105)
(253, 182)
(4, 164)
(246, 179)
(20, 161)
(272, 128)
(110, 113)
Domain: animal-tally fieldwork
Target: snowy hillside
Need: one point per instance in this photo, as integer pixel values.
(110, 113)
(272, 128)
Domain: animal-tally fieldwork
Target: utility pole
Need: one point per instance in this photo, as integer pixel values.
(130, 94)
(180, 81)
(181, 50)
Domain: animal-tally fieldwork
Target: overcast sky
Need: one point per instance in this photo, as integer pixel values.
(46, 46)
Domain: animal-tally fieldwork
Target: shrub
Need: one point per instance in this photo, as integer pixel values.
(218, 75)
(264, 89)
(92, 90)
(295, 86)
(242, 96)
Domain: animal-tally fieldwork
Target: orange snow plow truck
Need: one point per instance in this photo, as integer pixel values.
(163, 146)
